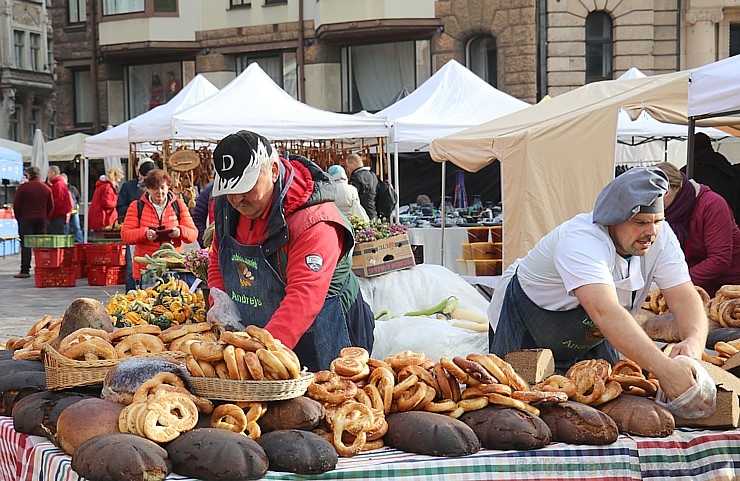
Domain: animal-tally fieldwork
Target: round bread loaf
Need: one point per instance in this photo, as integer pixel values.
(640, 416)
(212, 454)
(84, 420)
(37, 413)
(430, 433)
(300, 413)
(84, 312)
(499, 427)
(297, 451)
(17, 382)
(121, 457)
(123, 379)
(576, 423)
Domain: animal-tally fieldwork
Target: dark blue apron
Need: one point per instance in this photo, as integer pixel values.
(257, 290)
(570, 335)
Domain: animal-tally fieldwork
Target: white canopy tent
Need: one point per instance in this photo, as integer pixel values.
(11, 164)
(38, 154)
(556, 156)
(254, 101)
(24, 149)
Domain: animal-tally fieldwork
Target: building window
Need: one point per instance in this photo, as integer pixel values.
(34, 120)
(165, 5)
(77, 11)
(598, 47)
(19, 47)
(374, 76)
(734, 39)
(275, 2)
(281, 67)
(240, 3)
(481, 56)
(150, 85)
(116, 7)
(83, 93)
(15, 131)
(35, 45)
(49, 67)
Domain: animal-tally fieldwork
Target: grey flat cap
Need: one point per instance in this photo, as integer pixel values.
(640, 189)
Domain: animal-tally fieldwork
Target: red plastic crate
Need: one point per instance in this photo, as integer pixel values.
(105, 275)
(80, 254)
(80, 270)
(46, 257)
(55, 277)
(111, 255)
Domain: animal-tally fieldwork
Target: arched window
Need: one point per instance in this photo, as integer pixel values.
(481, 58)
(598, 47)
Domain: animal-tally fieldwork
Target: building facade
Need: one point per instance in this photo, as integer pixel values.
(27, 86)
(118, 59)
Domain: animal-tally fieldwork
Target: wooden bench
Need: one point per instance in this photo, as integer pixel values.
(8, 238)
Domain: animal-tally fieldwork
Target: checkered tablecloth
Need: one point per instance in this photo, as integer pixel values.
(686, 454)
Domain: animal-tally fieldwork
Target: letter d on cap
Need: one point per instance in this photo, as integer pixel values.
(223, 162)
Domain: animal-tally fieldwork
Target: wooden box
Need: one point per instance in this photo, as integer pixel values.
(379, 257)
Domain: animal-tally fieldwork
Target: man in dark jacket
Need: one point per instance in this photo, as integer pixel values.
(714, 170)
(366, 183)
(282, 251)
(32, 204)
(131, 191)
(201, 212)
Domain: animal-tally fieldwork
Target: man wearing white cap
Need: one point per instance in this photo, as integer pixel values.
(282, 251)
(575, 291)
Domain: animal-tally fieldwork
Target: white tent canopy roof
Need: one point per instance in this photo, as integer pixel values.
(24, 149)
(66, 148)
(113, 142)
(253, 101)
(452, 99)
(715, 88)
(156, 124)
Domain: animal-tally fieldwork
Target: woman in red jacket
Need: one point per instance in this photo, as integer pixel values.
(154, 220)
(103, 204)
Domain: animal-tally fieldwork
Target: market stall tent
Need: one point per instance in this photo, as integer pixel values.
(24, 149)
(556, 156)
(714, 89)
(11, 164)
(254, 101)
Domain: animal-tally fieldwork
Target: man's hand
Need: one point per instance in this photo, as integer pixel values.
(175, 233)
(691, 319)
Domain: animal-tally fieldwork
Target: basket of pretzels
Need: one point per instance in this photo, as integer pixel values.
(245, 366)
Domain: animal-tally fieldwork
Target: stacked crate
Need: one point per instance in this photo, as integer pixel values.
(80, 260)
(482, 254)
(54, 260)
(106, 264)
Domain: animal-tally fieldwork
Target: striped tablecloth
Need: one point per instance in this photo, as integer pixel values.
(695, 454)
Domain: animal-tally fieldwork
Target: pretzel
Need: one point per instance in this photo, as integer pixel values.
(512, 403)
(90, 350)
(263, 336)
(730, 312)
(703, 294)
(657, 303)
(589, 384)
(713, 310)
(412, 397)
(172, 333)
(458, 373)
(406, 358)
(374, 364)
(271, 365)
(540, 396)
(255, 410)
(348, 366)
(612, 389)
(181, 343)
(490, 366)
(372, 397)
(382, 379)
(254, 366)
(729, 291)
(229, 417)
(474, 370)
(241, 339)
(174, 410)
(635, 385)
(80, 335)
(211, 351)
(355, 352)
(204, 405)
(725, 349)
(329, 388)
(42, 323)
(140, 329)
(139, 345)
(43, 337)
(448, 386)
(485, 390)
(556, 383)
(358, 425)
(423, 375)
(405, 385)
(626, 367)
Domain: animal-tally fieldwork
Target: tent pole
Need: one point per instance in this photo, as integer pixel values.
(443, 213)
(396, 182)
(690, 148)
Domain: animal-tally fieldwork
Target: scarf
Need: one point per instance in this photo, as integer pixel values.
(678, 214)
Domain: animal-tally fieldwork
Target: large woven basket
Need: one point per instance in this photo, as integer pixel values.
(249, 391)
(65, 373)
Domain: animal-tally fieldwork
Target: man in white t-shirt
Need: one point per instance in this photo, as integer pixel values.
(575, 291)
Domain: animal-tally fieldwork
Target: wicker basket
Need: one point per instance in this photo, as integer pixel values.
(65, 373)
(249, 391)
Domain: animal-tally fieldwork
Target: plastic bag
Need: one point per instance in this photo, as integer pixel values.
(699, 401)
(224, 312)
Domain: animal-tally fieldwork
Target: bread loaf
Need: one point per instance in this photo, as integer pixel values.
(37, 413)
(576, 423)
(300, 413)
(212, 454)
(123, 379)
(499, 427)
(430, 433)
(84, 312)
(17, 382)
(639, 416)
(297, 451)
(121, 457)
(84, 420)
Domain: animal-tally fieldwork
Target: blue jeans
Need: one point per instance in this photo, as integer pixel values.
(74, 224)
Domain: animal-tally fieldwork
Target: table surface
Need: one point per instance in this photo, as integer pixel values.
(696, 454)
(431, 239)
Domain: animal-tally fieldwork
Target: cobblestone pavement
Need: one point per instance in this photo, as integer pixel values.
(22, 303)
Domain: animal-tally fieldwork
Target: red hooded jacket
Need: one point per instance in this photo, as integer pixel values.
(103, 205)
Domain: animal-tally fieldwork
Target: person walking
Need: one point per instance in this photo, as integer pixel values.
(105, 198)
(62, 203)
(32, 204)
(348, 200)
(366, 183)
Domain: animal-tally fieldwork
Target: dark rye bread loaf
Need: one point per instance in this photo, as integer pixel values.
(499, 427)
(428, 433)
(297, 451)
(212, 454)
(121, 457)
(640, 416)
(18, 381)
(84, 312)
(300, 413)
(576, 423)
(37, 413)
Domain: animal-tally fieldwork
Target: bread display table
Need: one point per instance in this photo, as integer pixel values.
(695, 454)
